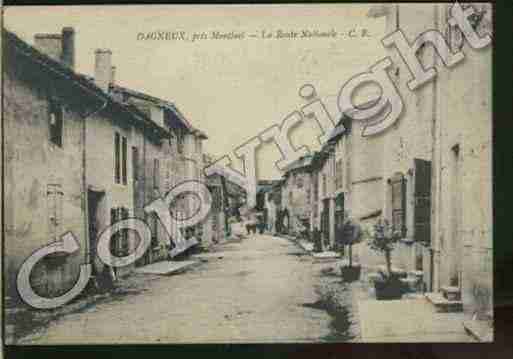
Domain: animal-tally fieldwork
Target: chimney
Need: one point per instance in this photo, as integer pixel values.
(113, 75)
(49, 44)
(68, 47)
(103, 68)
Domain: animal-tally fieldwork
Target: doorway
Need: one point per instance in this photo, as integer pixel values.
(94, 199)
(325, 220)
(339, 220)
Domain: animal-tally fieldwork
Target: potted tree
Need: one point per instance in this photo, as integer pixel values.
(387, 285)
(351, 233)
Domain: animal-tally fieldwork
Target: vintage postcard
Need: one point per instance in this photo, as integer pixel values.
(247, 174)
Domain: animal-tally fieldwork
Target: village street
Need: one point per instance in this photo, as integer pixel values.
(257, 289)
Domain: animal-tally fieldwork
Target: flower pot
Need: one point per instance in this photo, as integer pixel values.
(387, 289)
(350, 274)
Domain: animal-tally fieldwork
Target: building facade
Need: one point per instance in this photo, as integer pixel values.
(461, 238)
(295, 197)
(323, 196)
(44, 163)
(440, 155)
(81, 154)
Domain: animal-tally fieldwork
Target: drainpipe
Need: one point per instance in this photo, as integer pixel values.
(85, 200)
(226, 206)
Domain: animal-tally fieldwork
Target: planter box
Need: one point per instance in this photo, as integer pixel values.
(387, 289)
(351, 274)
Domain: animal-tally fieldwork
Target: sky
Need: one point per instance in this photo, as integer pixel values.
(230, 89)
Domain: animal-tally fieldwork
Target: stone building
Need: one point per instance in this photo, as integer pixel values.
(216, 227)
(273, 205)
(430, 173)
(265, 203)
(323, 194)
(295, 196)
(447, 132)
(44, 113)
(461, 238)
(123, 155)
(81, 154)
(163, 164)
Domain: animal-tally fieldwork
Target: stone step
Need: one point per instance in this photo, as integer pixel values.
(166, 267)
(481, 330)
(326, 254)
(307, 246)
(442, 304)
(451, 293)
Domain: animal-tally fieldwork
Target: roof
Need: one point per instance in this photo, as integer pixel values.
(57, 70)
(266, 185)
(73, 79)
(344, 124)
(178, 116)
(338, 131)
(302, 162)
(320, 157)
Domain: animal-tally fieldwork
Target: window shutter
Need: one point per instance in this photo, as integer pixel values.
(156, 172)
(135, 163)
(56, 122)
(125, 247)
(398, 183)
(422, 196)
(124, 159)
(117, 164)
(114, 239)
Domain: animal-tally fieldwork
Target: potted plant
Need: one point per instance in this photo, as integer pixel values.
(316, 235)
(351, 234)
(387, 285)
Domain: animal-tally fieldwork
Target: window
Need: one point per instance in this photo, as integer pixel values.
(116, 158)
(316, 187)
(55, 122)
(398, 184)
(324, 185)
(339, 174)
(299, 182)
(156, 173)
(422, 196)
(217, 203)
(120, 158)
(135, 163)
(123, 159)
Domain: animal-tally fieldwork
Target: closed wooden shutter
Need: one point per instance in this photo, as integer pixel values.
(117, 161)
(114, 242)
(124, 159)
(422, 196)
(398, 183)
